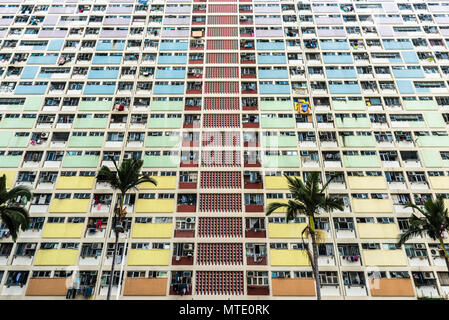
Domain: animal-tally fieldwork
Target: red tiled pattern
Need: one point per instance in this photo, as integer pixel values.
(222, 19)
(211, 227)
(219, 283)
(219, 253)
(221, 179)
(223, 58)
(221, 139)
(222, 8)
(222, 72)
(221, 87)
(220, 202)
(222, 32)
(221, 121)
(222, 45)
(227, 104)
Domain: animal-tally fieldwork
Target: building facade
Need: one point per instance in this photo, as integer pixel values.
(220, 98)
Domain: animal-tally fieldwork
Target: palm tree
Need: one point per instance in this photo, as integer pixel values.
(126, 177)
(308, 199)
(434, 222)
(12, 213)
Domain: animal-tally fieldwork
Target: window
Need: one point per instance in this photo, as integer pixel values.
(328, 278)
(257, 278)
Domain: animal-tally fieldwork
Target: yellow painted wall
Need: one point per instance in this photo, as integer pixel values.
(56, 257)
(149, 257)
(276, 183)
(10, 177)
(367, 183)
(384, 258)
(285, 230)
(278, 200)
(162, 183)
(63, 230)
(372, 205)
(69, 205)
(75, 183)
(155, 205)
(292, 257)
(439, 182)
(377, 230)
(152, 230)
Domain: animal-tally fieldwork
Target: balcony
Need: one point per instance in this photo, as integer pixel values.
(273, 74)
(103, 74)
(279, 105)
(170, 74)
(288, 257)
(367, 183)
(280, 141)
(160, 161)
(86, 142)
(293, 287)
(285, 230)
(276, 183)
(86, 161)
(90, 123)
(69, 206)
(17, 123)
(103, 105)
(174, 46)
(357, 161)
(271, 59)
(99, 89)
(63, 230)
(167, 106)
(341, 74)
(433, 141)
(46, 287)
(344, 89)
(149, 257)
(391, 287)
(168, 89)
(163, 183)
(385, 258)
(377, 230)
(372, 205)
(56, 257)
(165, 123)
(274, 88)
(172, 60)
(270, 45)
(281, 161)
(277, 123)
(145, 287)
(155, 205)
(152, 230)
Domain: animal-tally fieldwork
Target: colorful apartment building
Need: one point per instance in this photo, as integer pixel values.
(220, 99)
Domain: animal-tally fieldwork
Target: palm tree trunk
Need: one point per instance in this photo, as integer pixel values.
(446, 256)
(315, 269)
(113, 264)
(115, 222)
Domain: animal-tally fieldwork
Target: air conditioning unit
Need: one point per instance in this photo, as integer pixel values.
(187, 246)
(30, 246)
(44, 135)
(190, 220)
(127, 156)
(304, 153)
(372, 246)
(419, 246)
(96, 245)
